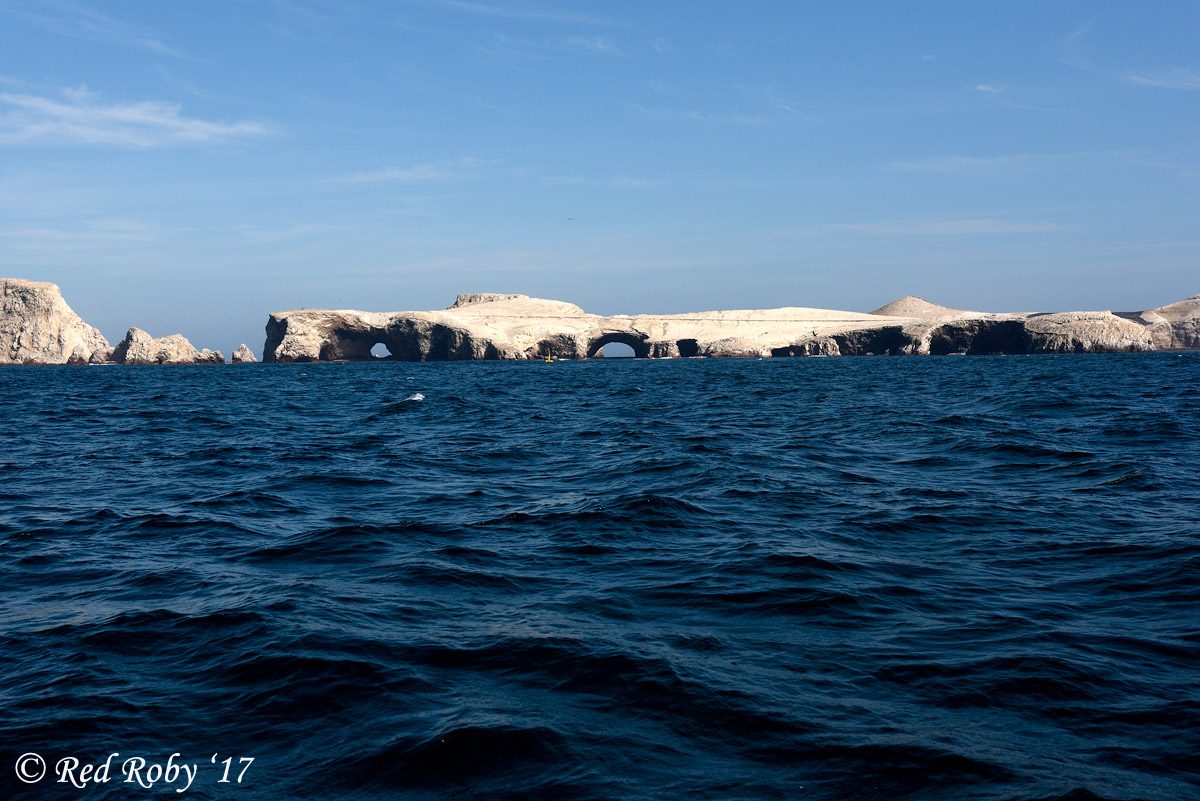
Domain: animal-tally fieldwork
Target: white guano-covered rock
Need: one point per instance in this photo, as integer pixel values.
(495, 326)
(138, 347)
(38, 327)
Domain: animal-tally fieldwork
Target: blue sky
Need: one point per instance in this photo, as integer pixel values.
(190, 167)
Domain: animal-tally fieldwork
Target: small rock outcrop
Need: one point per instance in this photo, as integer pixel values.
(38, 327)
(138, 347)
(482, 297)
(494, 326)
(243, 355)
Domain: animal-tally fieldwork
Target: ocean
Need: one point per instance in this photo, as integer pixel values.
(833, 578)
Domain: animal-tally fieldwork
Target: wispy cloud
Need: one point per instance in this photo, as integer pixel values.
(627, 182)
(80, 22)
(751, 106)
(420, 173)
(769, 96)
(88, 233)
(596, 44)
(693, 115)
(1012, 162)
(1000, 96)
(618, 182)
(259, 235)
(510, 47)
(79, 117)
(981, 226)
(1167, 79)
(527, 13)
(1072, 53)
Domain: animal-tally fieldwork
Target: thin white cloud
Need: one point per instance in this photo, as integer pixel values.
(417, 174)
(769, 96)
(1013, 162)
(528, 13)
(79, 22)
(958, 164)
(617, 182)
(594, 44)
(512, 48)
(1167, 79)
(89, 233)
(260, 235)
(753, 106)
(950, 227)
(988, 88)
(686, 115)
(81, 118)
(1073, 54)
(627, 182)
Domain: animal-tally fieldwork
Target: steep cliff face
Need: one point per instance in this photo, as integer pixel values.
(492, 326)
(38, 327)
(1173, 327)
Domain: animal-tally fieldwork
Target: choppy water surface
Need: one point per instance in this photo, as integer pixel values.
(906, 578)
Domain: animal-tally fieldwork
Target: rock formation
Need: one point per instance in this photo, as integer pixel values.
(243, 355)
(492, 326)
(138, 347)
(1173, 327)
(38, 327)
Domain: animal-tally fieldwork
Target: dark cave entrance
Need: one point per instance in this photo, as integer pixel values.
(638, 345)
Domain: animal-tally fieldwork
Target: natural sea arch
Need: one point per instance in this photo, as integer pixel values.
(640, 349)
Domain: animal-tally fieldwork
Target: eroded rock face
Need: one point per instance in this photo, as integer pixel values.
(38, 327)
(138, 347)
(243, 355)
(1086, 332)
(1175, 327)
(494, 326)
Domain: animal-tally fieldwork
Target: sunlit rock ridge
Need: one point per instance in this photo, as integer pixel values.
(495, 326)
(38, 327)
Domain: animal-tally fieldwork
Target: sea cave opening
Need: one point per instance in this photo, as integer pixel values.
(380, 351)
(617, 350)
(610, 346)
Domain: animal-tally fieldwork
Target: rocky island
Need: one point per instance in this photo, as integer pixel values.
(38, 327)
(499, 326)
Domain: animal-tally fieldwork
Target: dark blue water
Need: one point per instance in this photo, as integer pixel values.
(907, 578)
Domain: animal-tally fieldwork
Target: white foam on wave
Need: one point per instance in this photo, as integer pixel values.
(416, 396)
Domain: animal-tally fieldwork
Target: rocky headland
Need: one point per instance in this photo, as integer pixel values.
(495, 326)
(38, 327)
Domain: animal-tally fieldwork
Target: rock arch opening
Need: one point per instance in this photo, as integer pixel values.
(617, 350)
(640, 349)
(380, 351)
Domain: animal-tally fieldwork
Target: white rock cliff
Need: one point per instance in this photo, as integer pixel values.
(38, 327)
